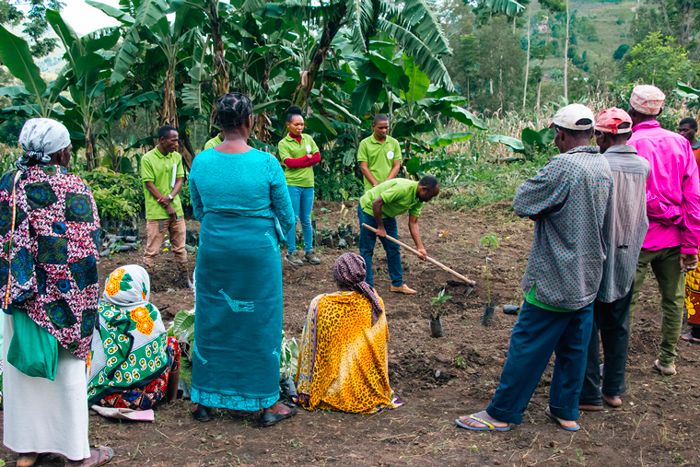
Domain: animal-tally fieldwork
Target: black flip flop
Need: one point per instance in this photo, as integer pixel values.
(270, 418)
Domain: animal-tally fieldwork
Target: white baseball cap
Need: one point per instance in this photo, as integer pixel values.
(574, 117)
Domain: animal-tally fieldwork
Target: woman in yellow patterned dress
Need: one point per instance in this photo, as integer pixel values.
(343, 356)
(692, 305)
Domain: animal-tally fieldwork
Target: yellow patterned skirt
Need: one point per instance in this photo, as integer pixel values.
(692, 296)
(343, 357)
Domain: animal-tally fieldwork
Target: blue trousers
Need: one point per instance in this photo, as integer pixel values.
(393, 251)
(537, 334)
(303, 204)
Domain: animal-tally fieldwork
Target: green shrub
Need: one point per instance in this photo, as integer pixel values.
(119, 197)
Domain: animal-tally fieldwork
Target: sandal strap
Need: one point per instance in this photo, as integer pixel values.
(490, 426)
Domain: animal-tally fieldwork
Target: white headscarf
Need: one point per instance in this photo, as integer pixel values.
(41, 137)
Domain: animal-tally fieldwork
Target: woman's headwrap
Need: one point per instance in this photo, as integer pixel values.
(39, 138)
(350, 271)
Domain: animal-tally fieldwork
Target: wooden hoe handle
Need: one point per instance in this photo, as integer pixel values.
(437, 263)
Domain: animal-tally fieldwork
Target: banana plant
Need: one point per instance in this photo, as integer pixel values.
(34, 97)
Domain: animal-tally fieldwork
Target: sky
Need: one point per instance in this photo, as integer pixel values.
(84, 19)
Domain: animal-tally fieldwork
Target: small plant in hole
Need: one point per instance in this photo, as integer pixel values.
(491, 243)
(437, 301)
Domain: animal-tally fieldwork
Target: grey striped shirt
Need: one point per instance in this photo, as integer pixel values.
(567, 199)
(625, 222)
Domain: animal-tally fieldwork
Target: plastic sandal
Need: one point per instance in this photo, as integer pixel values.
(487, 425)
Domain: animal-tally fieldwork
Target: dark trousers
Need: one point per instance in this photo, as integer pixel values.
(611, 326)
(393, 251)
(537, 334)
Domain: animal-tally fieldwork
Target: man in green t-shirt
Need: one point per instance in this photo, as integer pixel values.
(162, 176)
(214, 142)
(379, 155)
(379, 208)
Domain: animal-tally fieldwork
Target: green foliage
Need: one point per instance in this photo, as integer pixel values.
(441, 298)
(531, 143)
(620, 52)
(289, 356)
(119, 197)
(490, 241)
(659, 60)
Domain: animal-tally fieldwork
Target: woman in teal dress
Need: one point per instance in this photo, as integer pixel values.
(240, 197)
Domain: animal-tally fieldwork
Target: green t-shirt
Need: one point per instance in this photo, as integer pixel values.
(215, 141)
(380, 157)
(531, 298)
(399, 195)
(289, 147)
(162, 171)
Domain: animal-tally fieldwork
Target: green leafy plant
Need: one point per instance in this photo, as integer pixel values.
(119, 197)
(531, 143)
(438, 300)
(289, 356)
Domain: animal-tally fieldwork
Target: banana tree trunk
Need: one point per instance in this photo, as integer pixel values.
(168, 112)
(90, 148)
(221, 74)
(308, 76)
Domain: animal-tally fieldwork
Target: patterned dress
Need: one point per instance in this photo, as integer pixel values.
(132, 357)
(343, 357)
(51, 268)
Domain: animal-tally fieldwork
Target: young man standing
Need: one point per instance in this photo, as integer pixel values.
(673, 209)
(625, 227)
(567, 199)
(379, 154)
(379, 208)
(162, 176)
(688, 128)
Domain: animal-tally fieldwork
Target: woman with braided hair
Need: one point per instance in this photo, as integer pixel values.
(240, 197)
(343, 356)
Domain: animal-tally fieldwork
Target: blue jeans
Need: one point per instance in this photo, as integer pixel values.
(537, 334)
(393, 251)
(303, 204)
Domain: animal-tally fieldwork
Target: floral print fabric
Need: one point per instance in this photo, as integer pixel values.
(48, 265)
(130, 346)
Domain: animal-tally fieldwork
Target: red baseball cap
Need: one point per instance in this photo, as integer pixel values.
(613, 120)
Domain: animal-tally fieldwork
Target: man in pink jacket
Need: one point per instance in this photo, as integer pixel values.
(673, 209)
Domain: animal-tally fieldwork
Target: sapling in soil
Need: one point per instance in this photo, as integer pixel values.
(491, 243)
(437, 302)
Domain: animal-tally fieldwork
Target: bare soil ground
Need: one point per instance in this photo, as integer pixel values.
(439, 379)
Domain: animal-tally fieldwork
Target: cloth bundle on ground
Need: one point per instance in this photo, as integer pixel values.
(132, 358)
(343, 356)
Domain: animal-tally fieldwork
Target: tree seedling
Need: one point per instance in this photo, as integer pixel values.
(437, 302)
(491, 243)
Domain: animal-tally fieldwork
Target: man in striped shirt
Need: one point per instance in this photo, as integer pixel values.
(625, 227)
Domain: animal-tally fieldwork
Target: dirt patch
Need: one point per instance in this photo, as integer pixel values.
(439, 379)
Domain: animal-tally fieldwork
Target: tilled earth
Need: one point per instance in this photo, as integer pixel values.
(439, 379)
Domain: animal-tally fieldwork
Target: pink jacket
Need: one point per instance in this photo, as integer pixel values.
(673, 188)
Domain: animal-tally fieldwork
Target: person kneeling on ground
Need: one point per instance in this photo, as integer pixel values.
(379, 208)
(625, 227)
(134, 364)
(343, 356)
(567, 199)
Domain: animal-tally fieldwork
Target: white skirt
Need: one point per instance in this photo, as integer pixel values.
(46, 416)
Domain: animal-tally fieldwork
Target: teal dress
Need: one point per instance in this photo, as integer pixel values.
(243, 205)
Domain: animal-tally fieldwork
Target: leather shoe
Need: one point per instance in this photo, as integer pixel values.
(404, 289)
